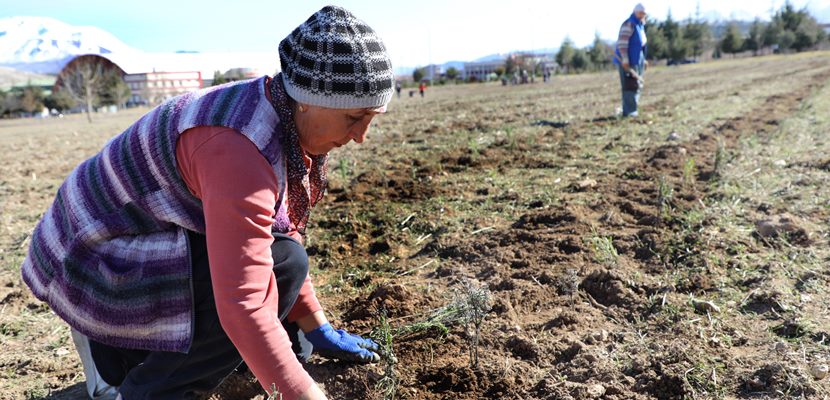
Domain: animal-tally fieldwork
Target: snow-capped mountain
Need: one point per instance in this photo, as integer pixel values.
(42, 44)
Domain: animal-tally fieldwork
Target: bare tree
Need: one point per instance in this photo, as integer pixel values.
(83, 80)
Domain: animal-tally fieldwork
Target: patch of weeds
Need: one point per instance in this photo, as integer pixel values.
(473, 147)
(693, 219)
(468, 307)
(792, 329)
(384, 337)
(343, 169)
(720, 161)
(357, 277)
(438, 322)
(37, 393)
(604, 250)
(511, 138)
(634, 174)
(11, 328)
(703, 379)
(689, 173)
(665, 194)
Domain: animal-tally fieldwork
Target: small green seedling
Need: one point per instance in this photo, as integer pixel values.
(604, 250)
(665, 193)
(384, 336)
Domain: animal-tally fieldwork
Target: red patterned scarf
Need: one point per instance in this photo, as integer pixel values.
(306, 184)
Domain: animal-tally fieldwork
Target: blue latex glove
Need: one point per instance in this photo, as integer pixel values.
(341, 345)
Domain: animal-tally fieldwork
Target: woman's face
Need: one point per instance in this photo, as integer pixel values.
(322, 129)
(641, 15)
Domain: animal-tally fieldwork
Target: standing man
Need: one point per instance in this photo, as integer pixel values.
(630, 58)
(422, 87)
(398, 88)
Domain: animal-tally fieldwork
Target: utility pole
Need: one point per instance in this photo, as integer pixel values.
(429, 57)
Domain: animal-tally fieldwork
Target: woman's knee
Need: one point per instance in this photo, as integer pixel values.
(290, 258)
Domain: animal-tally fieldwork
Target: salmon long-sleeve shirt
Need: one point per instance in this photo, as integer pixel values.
(238, 189)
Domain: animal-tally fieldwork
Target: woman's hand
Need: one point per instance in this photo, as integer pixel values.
(313, 393)
(341, 345)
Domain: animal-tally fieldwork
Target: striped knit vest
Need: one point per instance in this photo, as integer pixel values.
(110, 256)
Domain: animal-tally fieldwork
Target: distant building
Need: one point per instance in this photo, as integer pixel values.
(154, 87)
(480, 71)
(433, 72)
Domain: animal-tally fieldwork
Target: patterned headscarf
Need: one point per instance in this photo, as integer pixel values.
(306, 184)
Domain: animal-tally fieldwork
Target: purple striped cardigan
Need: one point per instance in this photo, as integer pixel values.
(110, 256)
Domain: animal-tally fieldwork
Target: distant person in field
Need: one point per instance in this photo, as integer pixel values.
(630, 58)
(422, 87)
(398, 88)
(176, 253)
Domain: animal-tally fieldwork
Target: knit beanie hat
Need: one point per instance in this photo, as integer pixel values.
(335, 60)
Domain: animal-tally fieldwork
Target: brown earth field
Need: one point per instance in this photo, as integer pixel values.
(679, 255)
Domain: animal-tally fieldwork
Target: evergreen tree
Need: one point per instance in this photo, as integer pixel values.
(793, 29)
(2, 103)
(732, 41)
(580, 61)
(11, 103)
(676, 46)
(418, 74)
(59, 101)
(114, 90)
(786, 40)
(452, 73)
(510, 65)
(600, 54)
(671, 29)
(696, 34)
(566, 53)
(31, 98)
(772, 32)
(218, 78)
(755, 40)
(657, 44)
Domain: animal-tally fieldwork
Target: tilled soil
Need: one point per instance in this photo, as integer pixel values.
(523, 195)
(565, 322)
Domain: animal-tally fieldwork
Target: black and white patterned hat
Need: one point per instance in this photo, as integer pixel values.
(335, 60)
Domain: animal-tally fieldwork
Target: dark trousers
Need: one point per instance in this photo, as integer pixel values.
(142, 374)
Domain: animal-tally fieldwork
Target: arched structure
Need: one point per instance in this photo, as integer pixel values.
(76, 62)
(154, 77)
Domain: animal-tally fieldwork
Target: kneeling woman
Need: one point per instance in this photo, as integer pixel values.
(176, 252)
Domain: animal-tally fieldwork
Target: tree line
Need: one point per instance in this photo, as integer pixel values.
(789, 30)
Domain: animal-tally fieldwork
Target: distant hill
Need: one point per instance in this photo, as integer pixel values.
(500, 56)
(11, 77)
(459, 65)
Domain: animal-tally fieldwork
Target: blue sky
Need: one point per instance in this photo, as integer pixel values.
(416, 32)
